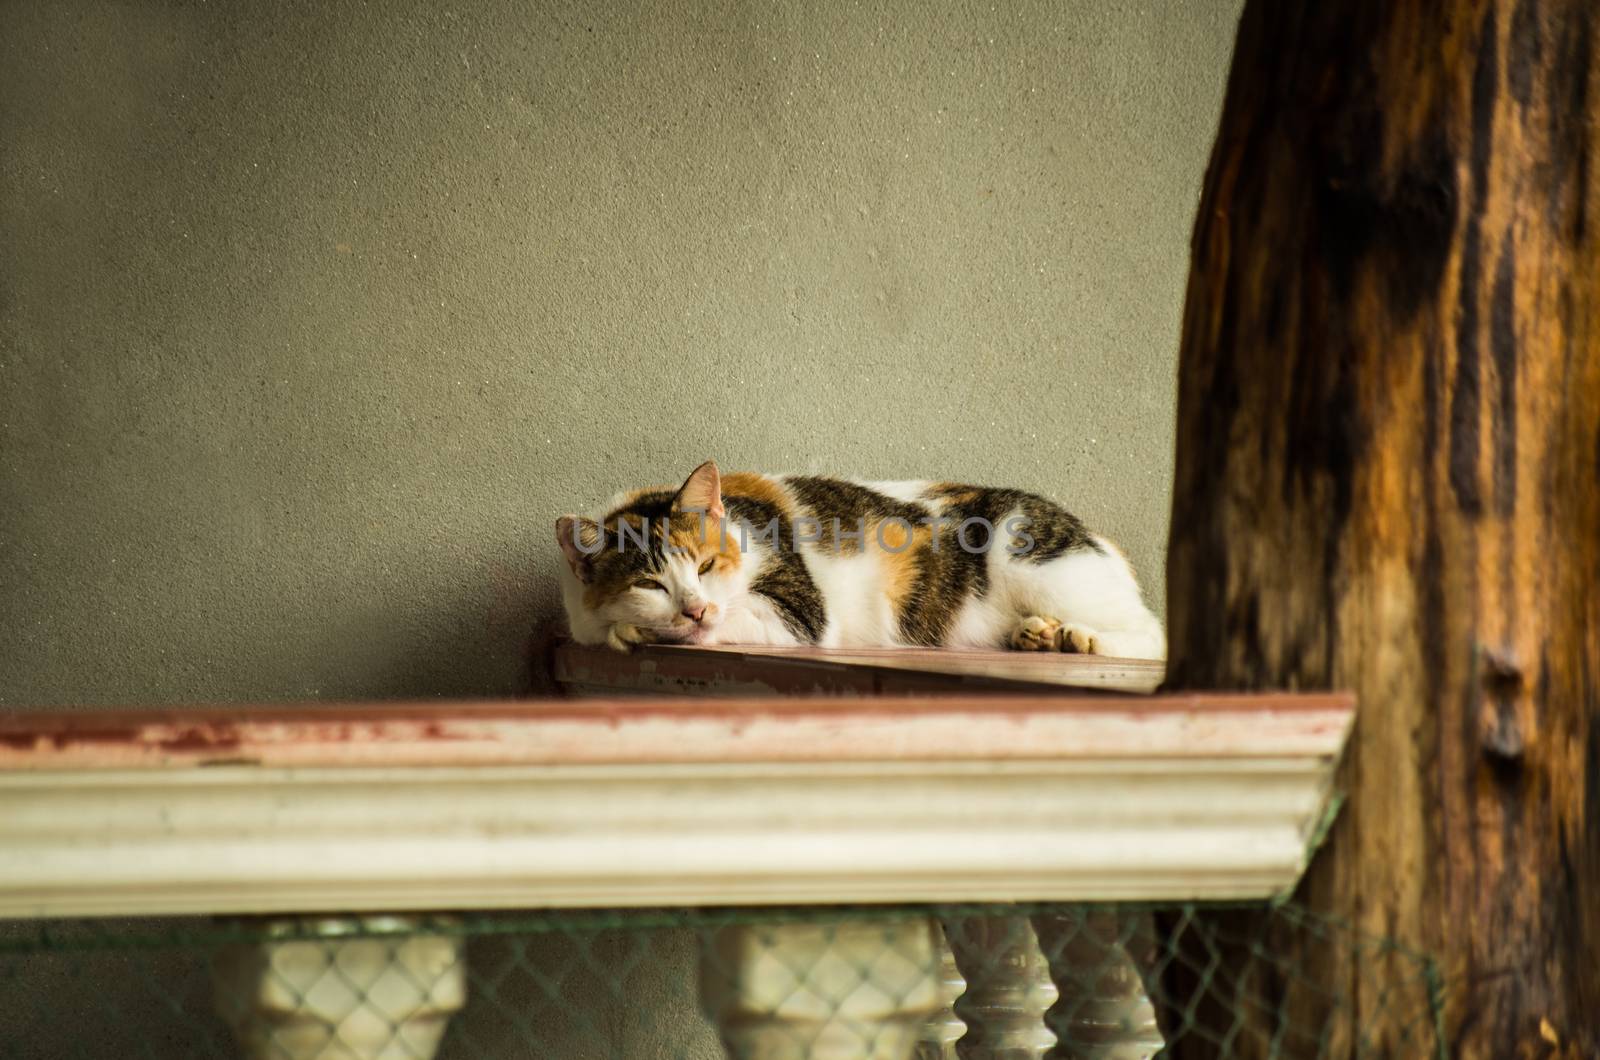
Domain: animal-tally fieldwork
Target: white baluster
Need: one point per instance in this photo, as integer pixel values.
(940, 1034)
(1103, 1012)
(853, 989)
(1008, 988)
(330, 989)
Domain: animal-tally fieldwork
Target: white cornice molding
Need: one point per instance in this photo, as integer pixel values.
(630, 803)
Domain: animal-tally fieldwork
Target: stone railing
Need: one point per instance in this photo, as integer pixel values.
(694, 800)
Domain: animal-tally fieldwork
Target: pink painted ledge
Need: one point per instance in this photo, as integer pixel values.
(683, 729)
(676, 776)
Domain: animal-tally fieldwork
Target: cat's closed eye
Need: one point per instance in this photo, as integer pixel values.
(649, 583)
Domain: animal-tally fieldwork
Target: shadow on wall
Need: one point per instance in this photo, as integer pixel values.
(484, 640)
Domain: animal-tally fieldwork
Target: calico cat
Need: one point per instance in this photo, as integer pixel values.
(797, 559)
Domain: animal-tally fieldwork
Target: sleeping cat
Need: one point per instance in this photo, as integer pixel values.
(797, 559)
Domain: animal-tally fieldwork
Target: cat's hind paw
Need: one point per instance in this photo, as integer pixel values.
(1036, 633)
(1080, 639)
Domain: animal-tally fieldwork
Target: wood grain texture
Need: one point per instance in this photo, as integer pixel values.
(750, 670)
(1388, 479)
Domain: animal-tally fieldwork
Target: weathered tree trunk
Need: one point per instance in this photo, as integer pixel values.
(1388, 480)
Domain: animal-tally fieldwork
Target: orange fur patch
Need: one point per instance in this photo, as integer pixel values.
(897, 562)
(758, 488)
(954, 492)
(705, 538)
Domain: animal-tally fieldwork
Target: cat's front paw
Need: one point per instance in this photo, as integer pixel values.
(624, 638)
(1036, 633)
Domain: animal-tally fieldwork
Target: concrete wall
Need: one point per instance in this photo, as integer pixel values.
(315, 315)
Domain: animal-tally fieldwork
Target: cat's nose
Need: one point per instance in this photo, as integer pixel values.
(696, 612)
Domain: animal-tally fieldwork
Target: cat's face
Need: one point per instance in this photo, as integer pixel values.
(660, 563)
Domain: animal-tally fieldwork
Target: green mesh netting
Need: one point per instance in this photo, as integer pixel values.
(1111, 982)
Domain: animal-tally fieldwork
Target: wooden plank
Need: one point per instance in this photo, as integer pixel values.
(752, 670)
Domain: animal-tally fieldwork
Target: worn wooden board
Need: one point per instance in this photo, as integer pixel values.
(754, 671)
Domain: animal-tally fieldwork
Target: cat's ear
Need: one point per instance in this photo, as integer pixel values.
(701, 492)
(580, 539)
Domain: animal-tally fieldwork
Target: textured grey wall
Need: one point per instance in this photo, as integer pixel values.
(315, 315)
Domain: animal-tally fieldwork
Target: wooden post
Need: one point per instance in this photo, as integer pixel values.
(1388, 481)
